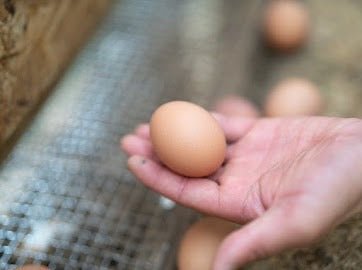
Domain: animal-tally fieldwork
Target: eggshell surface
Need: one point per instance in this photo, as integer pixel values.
(199, 244)
(187, 139)
(294, 97)
(286, 24)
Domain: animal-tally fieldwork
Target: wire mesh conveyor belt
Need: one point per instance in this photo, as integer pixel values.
(66, 198)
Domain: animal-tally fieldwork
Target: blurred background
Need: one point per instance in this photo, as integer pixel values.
(77, 75)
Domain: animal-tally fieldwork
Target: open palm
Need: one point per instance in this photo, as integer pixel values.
(293, 178)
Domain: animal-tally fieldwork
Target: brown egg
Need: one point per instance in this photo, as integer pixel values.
(286, 24)
(200, 243)
(33, 267)
(294, 97)
(187, 139)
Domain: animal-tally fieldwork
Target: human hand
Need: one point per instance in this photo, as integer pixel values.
(292, 179)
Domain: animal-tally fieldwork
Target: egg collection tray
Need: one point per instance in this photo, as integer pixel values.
(66, 198)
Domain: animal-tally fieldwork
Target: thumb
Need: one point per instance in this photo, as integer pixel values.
(275, 231)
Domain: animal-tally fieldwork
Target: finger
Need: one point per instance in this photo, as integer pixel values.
(230, 150)
(236, 106)
(199, 193)
(234, 127)
(268, 235)
(134, 145)
(143, 131)
(216, 175)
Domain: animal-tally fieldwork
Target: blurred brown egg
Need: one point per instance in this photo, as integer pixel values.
(294, 97)
(286, 24)
(201, 241)
(187, 139)
(33, 267)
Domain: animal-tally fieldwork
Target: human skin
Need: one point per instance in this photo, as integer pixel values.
(289, 180)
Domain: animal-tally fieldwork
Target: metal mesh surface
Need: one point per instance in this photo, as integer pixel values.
(66, 198)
